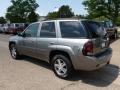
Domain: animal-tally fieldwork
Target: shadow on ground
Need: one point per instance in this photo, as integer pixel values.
(37, 62)
(112, 40)
(102, 77)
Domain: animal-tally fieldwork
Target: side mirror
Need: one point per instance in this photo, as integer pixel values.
(24, 35)
(21, 34)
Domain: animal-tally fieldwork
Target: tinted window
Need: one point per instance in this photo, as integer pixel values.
(26, 25)
(32, 30)
(2, 24)
(94, 28)
(8, 25)
(21, 25)
(16, 25)
(72, 29)
(48, 30)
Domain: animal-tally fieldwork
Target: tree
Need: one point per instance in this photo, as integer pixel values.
(108, 8)
(33, 17)
(80, 16)
(20, 9)
(118, 21)
(2, 20)
(65, 12)
(52, 15)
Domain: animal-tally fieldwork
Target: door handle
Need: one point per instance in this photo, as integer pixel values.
(52, 43)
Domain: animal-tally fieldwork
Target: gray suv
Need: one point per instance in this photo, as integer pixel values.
(66, 44)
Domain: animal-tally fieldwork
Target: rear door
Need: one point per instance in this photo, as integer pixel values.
(47, 40)
(97, 34)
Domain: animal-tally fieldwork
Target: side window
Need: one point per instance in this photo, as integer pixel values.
(32, 30)
(48, 30)
(72, 29)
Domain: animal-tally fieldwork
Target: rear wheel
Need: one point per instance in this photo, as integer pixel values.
(62, 66)
(115, 35)
(13, 51)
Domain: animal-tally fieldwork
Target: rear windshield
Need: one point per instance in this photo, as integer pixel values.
(94, 28)
(72, 29)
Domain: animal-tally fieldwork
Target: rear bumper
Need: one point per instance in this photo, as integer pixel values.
(89, 63)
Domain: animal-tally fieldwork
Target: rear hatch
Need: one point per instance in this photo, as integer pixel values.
(97, 35)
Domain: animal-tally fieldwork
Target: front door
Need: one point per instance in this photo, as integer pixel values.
(28, 43)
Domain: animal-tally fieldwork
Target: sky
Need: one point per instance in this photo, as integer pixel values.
(46, 6)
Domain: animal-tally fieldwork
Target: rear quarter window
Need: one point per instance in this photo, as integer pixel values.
(72, 29)
(94, 28)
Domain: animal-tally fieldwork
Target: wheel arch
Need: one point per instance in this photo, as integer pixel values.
(55, 52)
(11, 42)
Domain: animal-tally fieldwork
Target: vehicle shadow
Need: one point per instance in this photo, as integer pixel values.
(37, 62)
(101, 78)
(113, 40)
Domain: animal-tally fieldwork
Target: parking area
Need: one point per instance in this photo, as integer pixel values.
(32, 74)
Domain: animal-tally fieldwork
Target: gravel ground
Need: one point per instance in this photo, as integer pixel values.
(33, 74)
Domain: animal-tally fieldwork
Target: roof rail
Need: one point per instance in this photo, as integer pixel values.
(74, 18)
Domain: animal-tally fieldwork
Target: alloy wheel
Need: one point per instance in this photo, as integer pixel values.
(13, 51)
(60, 67)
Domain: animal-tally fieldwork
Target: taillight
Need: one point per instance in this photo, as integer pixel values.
(88, 48)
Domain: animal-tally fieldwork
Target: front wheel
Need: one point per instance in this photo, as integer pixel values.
(62, 66)
(13, 51)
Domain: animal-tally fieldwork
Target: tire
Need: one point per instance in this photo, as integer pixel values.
(13, 51)
(108, 62)
(115, 35)
(62, 66)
